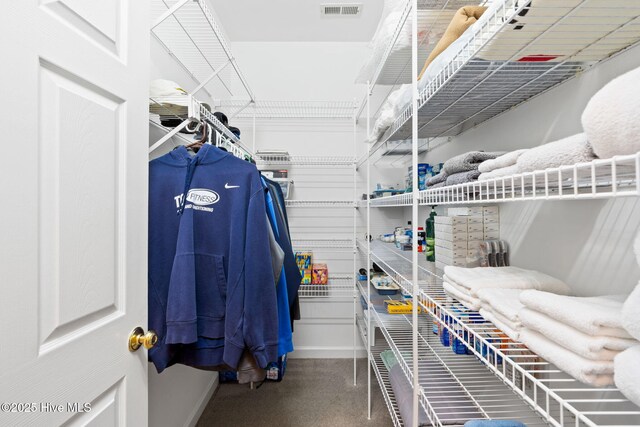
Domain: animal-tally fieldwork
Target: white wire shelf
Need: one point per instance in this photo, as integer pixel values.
(262, 109)
(618, 176)
(470, 90)
(299, 244)
(195, 111)
(319, 204)
(556, 396)
(339, 287)
(189, 32)
(287, 160)
(453, 388)
(382, 375)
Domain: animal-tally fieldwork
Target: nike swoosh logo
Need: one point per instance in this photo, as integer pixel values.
(227, 186)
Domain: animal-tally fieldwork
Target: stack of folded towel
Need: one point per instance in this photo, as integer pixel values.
(464, 283)
(461, 169)
(580, 335)
(501, 307)
(566, 151)
(627, 367)
(500, 166)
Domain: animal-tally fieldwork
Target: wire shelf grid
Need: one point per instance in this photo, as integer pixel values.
(264, 109)
(470, 90)
(319, 203)
(339, 287)
(189, 31)
(284, 159)
(556, 396)
(322, 243)
(618, 176)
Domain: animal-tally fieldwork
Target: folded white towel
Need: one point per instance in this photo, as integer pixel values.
(511, 330)
(505, 302)
(591, 315)
(497, 173)
(566, 151)
(595, 372)
(611, 119)
(627, 374)
(391, 109)
(477, 278)
(503, 161)
(587, 346)
(631, 313)
(459, 293)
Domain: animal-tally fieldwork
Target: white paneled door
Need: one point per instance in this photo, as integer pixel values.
(73, 230)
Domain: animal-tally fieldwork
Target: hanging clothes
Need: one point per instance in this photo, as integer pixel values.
(211, 283)
(285, 340)
(293, 276)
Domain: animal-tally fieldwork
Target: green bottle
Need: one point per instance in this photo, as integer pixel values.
(430, 227)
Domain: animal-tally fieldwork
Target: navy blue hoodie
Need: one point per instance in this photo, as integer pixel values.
(211, 288)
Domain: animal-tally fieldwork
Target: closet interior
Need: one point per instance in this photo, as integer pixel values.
(413, 255)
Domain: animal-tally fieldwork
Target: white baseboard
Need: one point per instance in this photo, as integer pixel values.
(202, 403)
(327, 352)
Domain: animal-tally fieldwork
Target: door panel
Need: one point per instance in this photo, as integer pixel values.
(74, 214)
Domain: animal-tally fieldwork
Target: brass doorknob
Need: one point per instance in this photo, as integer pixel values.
(138, 338)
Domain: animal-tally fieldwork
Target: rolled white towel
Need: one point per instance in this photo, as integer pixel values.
(498, 173)
(627, 373)
(588, 346)
(631, 313)
(594, 372)
(503, 161)
(567, 151)
(505, 302)
(478, 278)
(511, 330)
(591, 315)
(611, 120)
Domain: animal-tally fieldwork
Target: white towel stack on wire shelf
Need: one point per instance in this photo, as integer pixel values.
(501, 307)
(500, 166)
(464, 283)
(627, 363)
(580, 335)
(595, 372)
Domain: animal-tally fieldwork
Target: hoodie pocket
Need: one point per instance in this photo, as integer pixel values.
(211, 295)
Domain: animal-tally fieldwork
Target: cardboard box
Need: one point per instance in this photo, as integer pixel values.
(475, 228)
(491, 227)
(491, 219)
(490, 210)
(452, 220)
(319, 274)
(451, 253)
(303, 260)
(447, 244)
(492, 235)
(460, 262)
(476, 236)
(474, 210)
(475, 219)
(453, 237)
(306, 277)
(451, 228)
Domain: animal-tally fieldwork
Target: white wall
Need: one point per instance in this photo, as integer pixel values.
(586, 243)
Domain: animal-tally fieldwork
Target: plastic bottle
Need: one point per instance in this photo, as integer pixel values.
(421, 239)
(431, 235)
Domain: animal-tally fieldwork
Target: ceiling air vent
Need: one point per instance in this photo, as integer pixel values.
(339, 9)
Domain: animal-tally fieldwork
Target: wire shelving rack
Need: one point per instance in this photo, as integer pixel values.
(469, 90)
(618, 176)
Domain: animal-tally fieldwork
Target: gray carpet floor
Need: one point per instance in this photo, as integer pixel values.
(314, 392)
